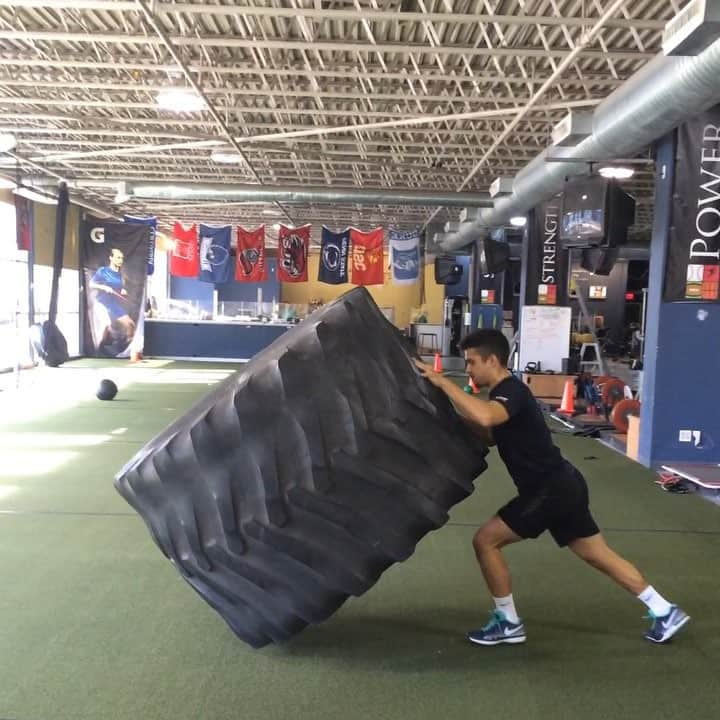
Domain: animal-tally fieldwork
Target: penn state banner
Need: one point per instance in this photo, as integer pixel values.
(151, 222)
(333, 266)
(293, 245)
(215, 263)
(692, 271)
(405, 256)
(546, 261)
(250, 265)
(368, 257)
(114, 262)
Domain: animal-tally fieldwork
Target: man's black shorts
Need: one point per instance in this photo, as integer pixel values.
(559, 503)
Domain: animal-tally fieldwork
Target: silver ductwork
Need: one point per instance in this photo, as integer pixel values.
(159, 190)
(650, 104)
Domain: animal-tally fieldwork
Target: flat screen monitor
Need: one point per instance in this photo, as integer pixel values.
(447, 270)
(596, 212)
(492, 256)
(599, 261)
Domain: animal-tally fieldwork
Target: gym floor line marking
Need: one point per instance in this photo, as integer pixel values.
(67, 512)
(613, 529)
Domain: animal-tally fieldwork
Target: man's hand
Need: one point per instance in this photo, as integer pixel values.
(481, 412)
(436, 378)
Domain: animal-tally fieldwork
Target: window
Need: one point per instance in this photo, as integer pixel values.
(68, 309)
(14, 319)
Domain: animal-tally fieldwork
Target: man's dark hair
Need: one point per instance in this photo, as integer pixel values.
(488, 342)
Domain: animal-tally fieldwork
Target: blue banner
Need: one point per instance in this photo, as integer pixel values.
(151, 222)
(333, 267)
(215, 265)
(405, 256)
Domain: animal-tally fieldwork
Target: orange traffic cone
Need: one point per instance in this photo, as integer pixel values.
(568, 399)
(437, 365)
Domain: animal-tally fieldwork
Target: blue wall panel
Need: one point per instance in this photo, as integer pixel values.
(687, 383)
(202, 292)
(247, 292)
(192, 289)
(681, 377)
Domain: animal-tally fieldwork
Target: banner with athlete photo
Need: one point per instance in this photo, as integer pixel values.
(114, 262)
(368, 257)
(405, 256)
(215, 263)
(292, 254)
(250, 265)
(692, 271)
(185, 255)
(333, 267)
(151, 222)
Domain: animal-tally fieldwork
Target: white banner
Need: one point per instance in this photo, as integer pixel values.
(405, 256)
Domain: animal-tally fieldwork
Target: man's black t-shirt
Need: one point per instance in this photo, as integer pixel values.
(524, 441)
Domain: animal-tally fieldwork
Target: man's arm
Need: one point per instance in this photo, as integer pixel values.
(483, 433)
(486, 413)
(97, 282)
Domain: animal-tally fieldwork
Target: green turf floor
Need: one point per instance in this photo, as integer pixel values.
(96, 624)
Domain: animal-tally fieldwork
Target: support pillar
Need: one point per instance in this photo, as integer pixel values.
(680, 391)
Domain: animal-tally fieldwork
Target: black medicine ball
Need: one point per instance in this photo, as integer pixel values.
(107, 390)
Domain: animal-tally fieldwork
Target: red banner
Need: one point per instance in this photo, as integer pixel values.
(250, 263)
(185, 256)
(368, 257)
(22, 222)
(293, 245)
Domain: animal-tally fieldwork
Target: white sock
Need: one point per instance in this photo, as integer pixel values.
(655, 602)
(506, 605)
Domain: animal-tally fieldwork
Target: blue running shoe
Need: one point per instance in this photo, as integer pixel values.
(498, 630)
(663, 628)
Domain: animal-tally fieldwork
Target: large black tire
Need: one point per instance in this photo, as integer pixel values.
(296, 482)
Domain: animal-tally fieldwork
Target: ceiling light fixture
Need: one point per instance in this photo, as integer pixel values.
(36, 196)
(612, 172)
(121, 194)
(7, 142)
(180, 100)
(518, 221)
(227, 157)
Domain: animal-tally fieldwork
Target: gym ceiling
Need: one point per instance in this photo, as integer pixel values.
(415, 95)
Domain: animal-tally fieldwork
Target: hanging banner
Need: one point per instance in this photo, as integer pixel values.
(405, 255)
(333, 267)
(114, 258)
(215, 264)
(185, 257)
(151, 222)
(23, 223)
(293, 245)
(250, 265)
(546, 282)
(692, 271)
(368, 257)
